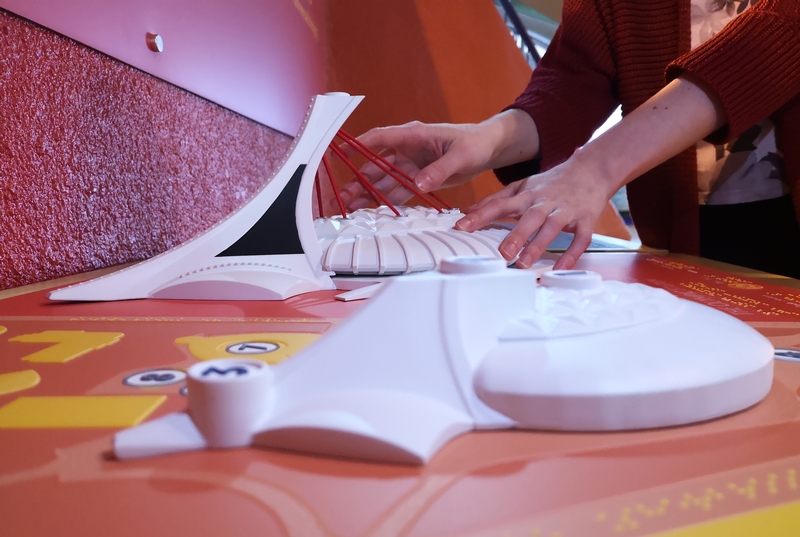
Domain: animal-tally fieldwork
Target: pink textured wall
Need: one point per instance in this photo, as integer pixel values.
(101, 164)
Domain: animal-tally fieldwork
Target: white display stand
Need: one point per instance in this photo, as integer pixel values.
(475, 345)
(266, 250)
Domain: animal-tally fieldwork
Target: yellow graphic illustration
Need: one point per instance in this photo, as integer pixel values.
(780, 521)
(3, 329)
(69, 344)
(79, 411)
(18, 381)
(271, 348)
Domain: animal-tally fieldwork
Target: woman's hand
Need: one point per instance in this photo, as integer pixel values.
(434, 156)
(569, 197)
(572, 196)
(442, 155)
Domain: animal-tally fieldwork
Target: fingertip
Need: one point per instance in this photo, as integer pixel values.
(434, 174)
(565, 262)
(509, 251)
(570, 257)
(526, 261)
(465, 224)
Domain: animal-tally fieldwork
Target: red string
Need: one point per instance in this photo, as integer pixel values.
(361, 180)
(406, 181)
(382, 164)
(364, 181)
(333, 184)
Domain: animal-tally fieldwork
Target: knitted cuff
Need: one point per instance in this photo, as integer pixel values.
(556, 143)
(520, 170)
(753, 66)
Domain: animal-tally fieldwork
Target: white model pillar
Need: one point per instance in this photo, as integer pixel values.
(228, 399)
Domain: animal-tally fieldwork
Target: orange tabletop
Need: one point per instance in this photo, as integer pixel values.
(73, 374)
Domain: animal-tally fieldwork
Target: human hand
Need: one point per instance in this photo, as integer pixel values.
(433, 155)
(443, 155)
(572, 196)
(568, 197)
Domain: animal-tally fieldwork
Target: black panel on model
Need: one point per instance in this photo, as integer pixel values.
(275, 233)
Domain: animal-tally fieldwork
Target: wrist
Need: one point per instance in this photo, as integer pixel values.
(512, 137)
(608, 173)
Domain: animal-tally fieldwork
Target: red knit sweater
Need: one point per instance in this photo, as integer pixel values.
(610, 52)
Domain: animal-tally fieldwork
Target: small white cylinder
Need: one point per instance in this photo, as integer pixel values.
(579, 280)
(228, 399)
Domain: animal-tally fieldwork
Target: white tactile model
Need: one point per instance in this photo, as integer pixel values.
(475, 345)
(265, 250)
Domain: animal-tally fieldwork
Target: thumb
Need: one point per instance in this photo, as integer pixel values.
(437, 172)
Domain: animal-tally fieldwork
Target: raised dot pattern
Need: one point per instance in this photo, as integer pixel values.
(560, 312)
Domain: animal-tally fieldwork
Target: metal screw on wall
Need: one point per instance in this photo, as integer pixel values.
(154, 42)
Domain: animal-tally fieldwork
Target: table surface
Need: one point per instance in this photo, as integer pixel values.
(63, 394)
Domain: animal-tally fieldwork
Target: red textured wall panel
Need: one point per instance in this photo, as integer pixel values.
(102, 164)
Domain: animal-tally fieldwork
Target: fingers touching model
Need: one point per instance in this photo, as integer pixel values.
(569, 197)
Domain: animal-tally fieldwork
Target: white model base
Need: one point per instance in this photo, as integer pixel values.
(477, 345)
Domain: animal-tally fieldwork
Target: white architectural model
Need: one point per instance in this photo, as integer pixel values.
(272, 249)
(475, 345)
(266, 250)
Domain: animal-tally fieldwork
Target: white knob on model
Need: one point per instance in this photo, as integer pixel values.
(228, 399)
(578, 280)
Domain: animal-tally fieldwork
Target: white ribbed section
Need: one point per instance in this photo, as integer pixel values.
(376, 241)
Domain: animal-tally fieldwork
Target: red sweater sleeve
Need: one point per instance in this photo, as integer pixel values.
(752, 65)
(571, 91)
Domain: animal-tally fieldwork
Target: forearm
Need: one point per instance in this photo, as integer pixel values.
(674, 119)
(513, 137)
